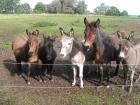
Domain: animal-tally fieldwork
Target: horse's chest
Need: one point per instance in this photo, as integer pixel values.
(78, 58)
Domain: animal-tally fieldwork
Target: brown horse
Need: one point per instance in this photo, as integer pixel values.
(107, 47)
(25, 49)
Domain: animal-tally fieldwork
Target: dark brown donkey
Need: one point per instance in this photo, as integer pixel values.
(107, 47)
(25, 49)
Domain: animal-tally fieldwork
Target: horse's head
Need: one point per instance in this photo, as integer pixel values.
(48, 43)
(32, 42)
(66, 42)
(90, 32)
(124, 47)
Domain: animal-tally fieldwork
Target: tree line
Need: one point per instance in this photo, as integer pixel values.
(58, 6)
(103, 9)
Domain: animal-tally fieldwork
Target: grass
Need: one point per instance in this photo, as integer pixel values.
(49, 24)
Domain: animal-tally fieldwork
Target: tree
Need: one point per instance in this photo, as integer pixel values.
(8, 6)
(23, 8)
(101, 9)
(113, 11)
(40, 8)
(124, 13)
(81, 7)
(62, 5)
(54, 7)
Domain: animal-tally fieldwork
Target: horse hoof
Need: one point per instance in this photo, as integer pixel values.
(81, 87)
(108, 86)
(44, 81)
(73, 84)
(123, 87)
(40, 80)
(28, 83)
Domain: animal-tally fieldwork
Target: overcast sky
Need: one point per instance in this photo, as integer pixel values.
(132, 6)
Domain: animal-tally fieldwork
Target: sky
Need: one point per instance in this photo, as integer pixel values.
(132, 6)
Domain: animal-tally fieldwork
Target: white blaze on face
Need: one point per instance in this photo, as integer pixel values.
(66, 47)
(122, 55)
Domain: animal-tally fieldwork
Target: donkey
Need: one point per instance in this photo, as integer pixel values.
(125, 35)
(73, 48)
(47, 55)
(107, 48)
(25, 49)
(130, 54)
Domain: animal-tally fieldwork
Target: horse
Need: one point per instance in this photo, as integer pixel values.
(25, 49)
(130, 55)
(47, 55)
(74, 49)
(107, 48)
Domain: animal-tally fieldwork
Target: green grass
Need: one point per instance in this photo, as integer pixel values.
(49, 24)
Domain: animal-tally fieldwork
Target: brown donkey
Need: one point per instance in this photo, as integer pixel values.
(25, 49)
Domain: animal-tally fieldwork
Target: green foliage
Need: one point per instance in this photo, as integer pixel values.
(113, 11)
(101, 9)
(8, 6)
(54, 7)
(81, 7)
(23, 8)
(40, 8)
(124, 13)
(44, 24)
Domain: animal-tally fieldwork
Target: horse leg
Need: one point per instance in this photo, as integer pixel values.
(131, 79)
(19, 68)
(117, 67)
(50, 71)
(81, 75)
(101, 73)
(125, 68)
(74, 76)
(29, 72)
(108, 66)
(43, 73)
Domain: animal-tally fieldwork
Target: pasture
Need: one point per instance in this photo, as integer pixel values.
(14, 90)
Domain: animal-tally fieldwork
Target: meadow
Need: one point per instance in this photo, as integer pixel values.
(15, 25)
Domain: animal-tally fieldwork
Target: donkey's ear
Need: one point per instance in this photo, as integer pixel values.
(71, 32)
(61, 31)
(119, 34)
(97, 22)
(37, 32)
(85, 21)
(131, 35)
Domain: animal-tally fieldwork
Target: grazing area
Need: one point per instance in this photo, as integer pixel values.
(58, 91)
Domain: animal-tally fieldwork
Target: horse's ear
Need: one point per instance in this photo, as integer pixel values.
(97, 22)
(61, 31)
(37, 32)
(71, 32)
(85, 21)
